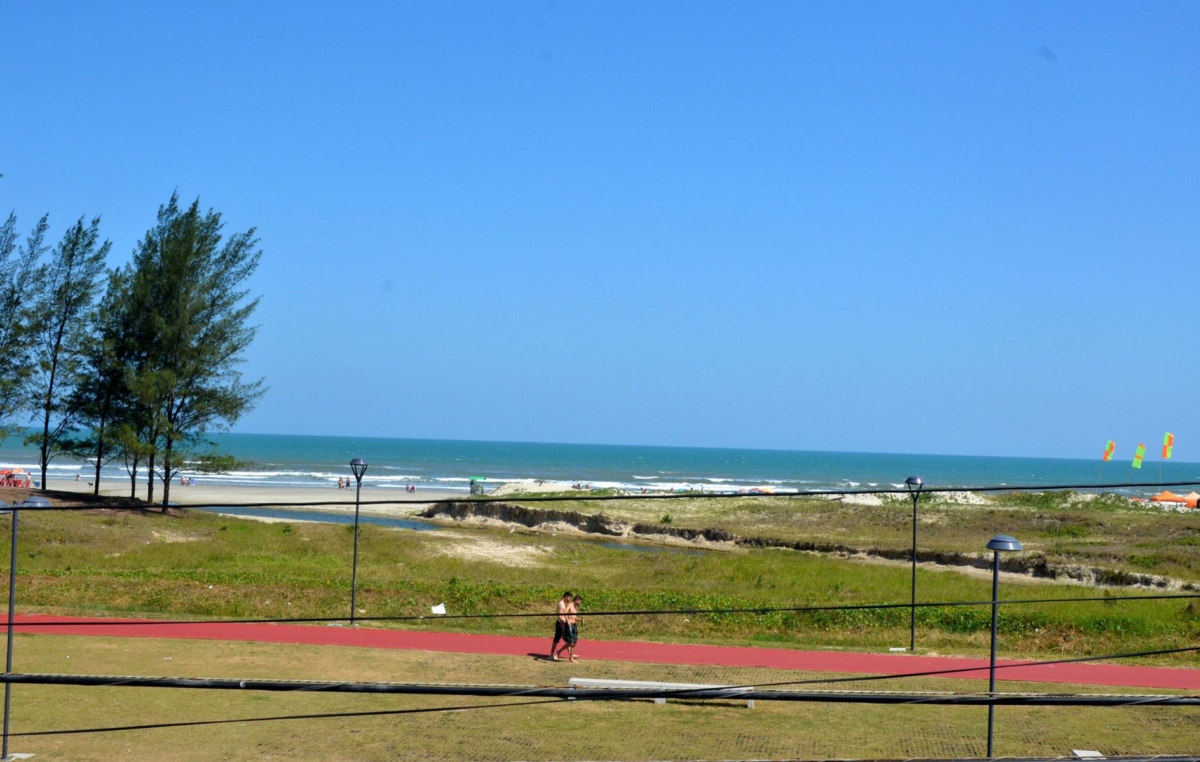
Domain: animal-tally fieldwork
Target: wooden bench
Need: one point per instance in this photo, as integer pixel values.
(731, 691)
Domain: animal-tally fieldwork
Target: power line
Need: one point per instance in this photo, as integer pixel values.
(598, 694)
(1133, 701)
(511, 691)
(327, 715)
(982, 668)
(556, 695)
(586, 497)
(633, 612)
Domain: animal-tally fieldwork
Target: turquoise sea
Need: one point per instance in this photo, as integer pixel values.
(318, 461)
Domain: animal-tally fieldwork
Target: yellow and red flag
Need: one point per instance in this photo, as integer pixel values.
(1168, 445)
(1137, 456)
(1109, 449)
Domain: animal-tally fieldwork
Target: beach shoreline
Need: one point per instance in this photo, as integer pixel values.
(329, 499)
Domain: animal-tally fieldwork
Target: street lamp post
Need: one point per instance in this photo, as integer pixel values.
(1001, 542)
(36, 501)
(359, 467)
(12, 600)
(913, 484)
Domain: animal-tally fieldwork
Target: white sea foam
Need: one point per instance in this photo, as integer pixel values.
(36, 467)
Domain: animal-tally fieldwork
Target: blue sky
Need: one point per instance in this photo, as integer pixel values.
(961, 228)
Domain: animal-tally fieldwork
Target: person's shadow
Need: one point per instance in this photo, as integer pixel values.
(542, 657)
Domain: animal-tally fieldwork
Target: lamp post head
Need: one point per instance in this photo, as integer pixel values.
(359, 467)
(1005, 542)
(913, 483)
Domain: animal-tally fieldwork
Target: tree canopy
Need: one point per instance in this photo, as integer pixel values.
(148, 369)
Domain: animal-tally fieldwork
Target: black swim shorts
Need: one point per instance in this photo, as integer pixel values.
(560, 629)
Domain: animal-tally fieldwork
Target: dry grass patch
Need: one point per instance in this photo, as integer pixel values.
(483, 549)
(511, 729)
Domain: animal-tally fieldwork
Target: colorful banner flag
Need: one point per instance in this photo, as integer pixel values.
(1137, 456)
(1168, 445)
(1109, 449)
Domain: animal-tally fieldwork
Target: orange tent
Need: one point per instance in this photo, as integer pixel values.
(1192, 499)
(1168, 496)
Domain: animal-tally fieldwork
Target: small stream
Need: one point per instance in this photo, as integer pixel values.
(322, 517)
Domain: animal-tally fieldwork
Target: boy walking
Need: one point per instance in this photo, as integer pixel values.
(573, 627)
(561, 628)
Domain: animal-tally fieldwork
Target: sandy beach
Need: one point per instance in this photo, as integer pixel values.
(324, 499)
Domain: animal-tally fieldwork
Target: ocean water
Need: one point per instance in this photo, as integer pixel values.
(317, 461)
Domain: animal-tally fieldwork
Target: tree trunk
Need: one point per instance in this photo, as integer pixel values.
(166, 474)
(45, 445)
(150, 479)
(99, 456)
(48, 405)
(133, 479)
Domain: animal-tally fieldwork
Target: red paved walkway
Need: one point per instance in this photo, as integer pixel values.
(607, 650)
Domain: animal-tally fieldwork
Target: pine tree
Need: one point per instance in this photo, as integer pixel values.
(101, 402)
(17, 276)
(187, 285)
(65, 294)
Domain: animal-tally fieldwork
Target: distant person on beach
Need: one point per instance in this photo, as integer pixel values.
(560, 623)
(341, 483)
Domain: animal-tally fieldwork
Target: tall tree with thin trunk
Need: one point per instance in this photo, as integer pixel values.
(18, 274)
(101, 402)
(65, 297)
(198, 314)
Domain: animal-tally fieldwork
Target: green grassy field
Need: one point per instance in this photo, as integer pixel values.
(199, 564)
(1104, 531)
(635, 730)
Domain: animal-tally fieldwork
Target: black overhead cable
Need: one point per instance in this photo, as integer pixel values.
(634, 612)
(940, 699)
(584, 496)
(327, 715)
(508, 691)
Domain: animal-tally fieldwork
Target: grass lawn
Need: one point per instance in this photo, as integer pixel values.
(1105, 531)
(637, 730)
(199, 564)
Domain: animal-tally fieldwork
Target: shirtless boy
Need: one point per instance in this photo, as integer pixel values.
(561, 627)
(572, 636)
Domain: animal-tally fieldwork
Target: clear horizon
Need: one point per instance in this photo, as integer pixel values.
(823, 227)
(1151, 452)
